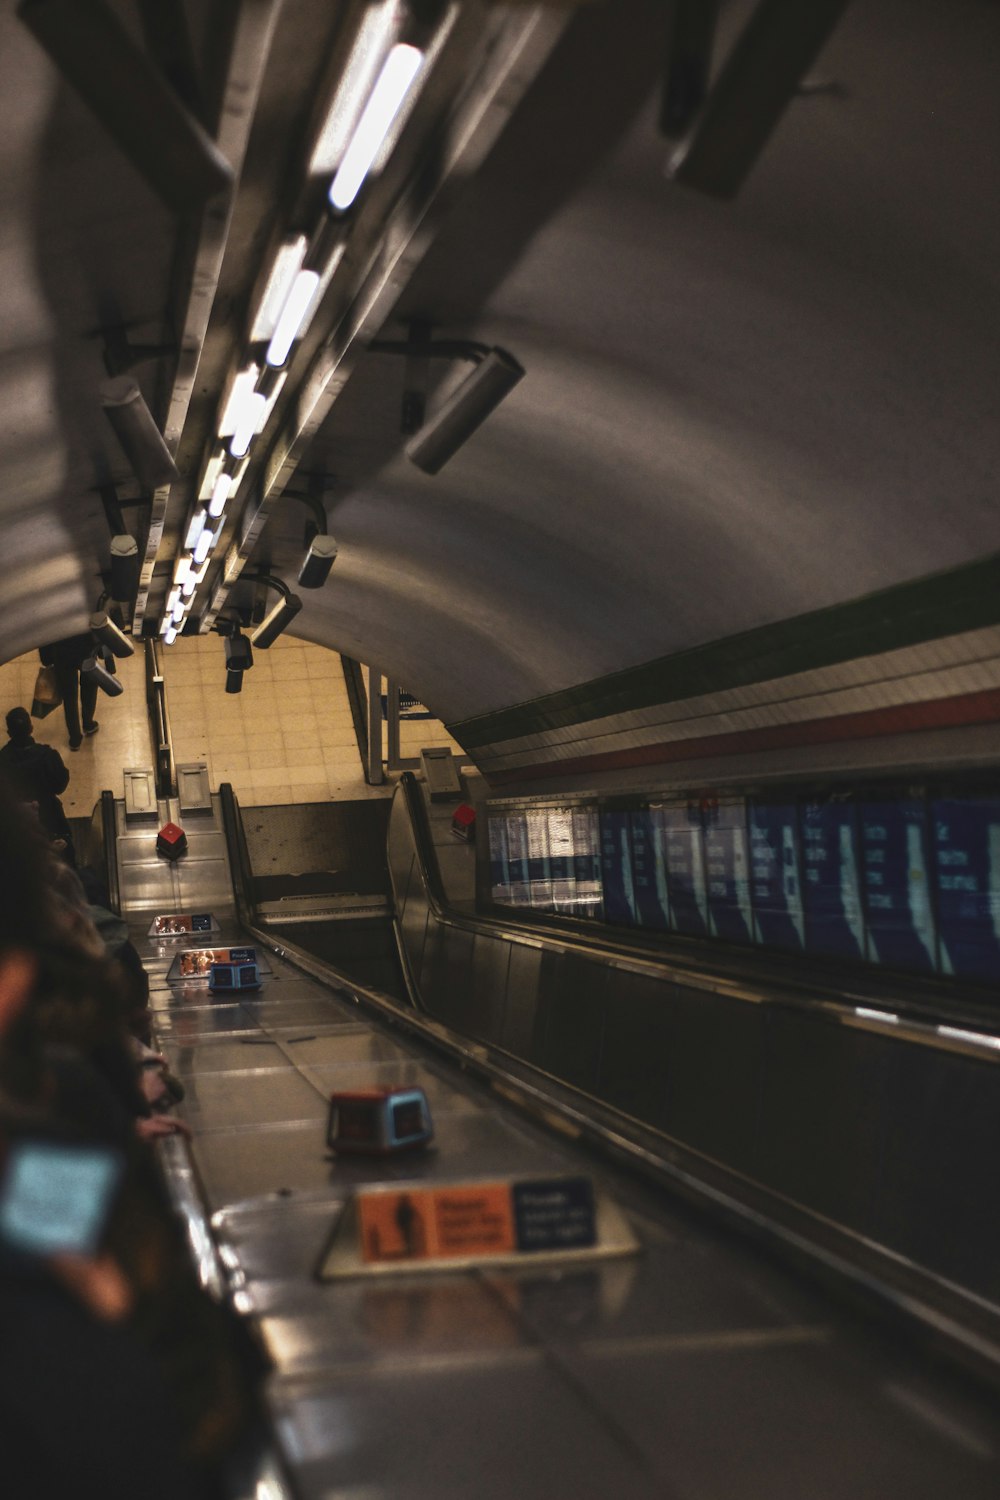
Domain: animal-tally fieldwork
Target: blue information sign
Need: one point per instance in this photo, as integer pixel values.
(685, 869)
(616, 869)
(965, 840)
(775, 881)
(727, 872)
(896, 886)
(649, 869)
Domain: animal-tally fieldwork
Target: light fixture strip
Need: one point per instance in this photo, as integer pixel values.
(287, 265)
(376, 34)
(295, 317)
(384, 103)
(241, 399)
(251, 418)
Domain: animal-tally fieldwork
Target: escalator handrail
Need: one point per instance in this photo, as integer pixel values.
(240, 871)
(109, 841)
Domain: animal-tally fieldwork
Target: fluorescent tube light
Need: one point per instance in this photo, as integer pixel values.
(240, 399)
(251, 420)
(179, 611)
(195, 529)
(287, 265)
(220, 494)
(379, 114)
(205, 544)
(170, 635)
(189, 585)
(212, 471)
(295, 316)
(166, 623)
(375, 36)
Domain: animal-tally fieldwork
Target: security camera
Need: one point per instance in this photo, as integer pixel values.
(318, 562)
(94, 672)
(468, 405)
(239, 656)
(274, 623)
(108, 634)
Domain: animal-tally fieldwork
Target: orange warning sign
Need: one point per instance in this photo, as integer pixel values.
(437, 1223)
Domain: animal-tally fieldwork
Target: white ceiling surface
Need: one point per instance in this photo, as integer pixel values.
(732, 413)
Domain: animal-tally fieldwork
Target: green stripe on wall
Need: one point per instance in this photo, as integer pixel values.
(924, 609)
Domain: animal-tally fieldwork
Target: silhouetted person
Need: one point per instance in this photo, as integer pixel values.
(37, 774)
(78, 693)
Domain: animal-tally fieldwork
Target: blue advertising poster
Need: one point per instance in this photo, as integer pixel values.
(562, 868)
(775, 879)
(649, 869)
(685, 869)
(896, 885)
(831, 889)
(499, 871)
(588, 891)
(539, 874)
(965, 844)
(727, 872)
(616, 869)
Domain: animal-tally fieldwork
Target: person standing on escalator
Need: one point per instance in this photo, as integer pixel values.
(37, 775)
(78, 693)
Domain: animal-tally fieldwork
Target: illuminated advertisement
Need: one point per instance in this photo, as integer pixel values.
(776, 881)
(589, 891)
(965, 850)
(616, 869)
(685, 869)
(896, 884)
(831, 887)
(727, 872)
(649, 869)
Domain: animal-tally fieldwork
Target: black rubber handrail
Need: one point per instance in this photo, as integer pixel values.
(240, 872)
(109, 843)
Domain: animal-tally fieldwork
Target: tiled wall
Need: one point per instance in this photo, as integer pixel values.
(287, 737)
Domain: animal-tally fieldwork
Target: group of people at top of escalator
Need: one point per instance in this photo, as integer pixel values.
(120, 1377)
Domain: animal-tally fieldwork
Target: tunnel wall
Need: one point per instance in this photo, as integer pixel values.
(907, 676)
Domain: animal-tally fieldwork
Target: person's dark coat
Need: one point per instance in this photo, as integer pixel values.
(38, 774)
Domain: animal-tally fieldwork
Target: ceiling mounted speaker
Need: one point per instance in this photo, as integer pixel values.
(131, 98)
(762, 73)
(141, 439)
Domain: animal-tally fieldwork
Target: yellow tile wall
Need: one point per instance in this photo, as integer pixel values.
(287, 737)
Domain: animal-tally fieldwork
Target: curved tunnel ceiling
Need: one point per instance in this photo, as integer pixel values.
(734, 412)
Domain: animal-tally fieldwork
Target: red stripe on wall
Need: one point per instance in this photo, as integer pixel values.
(940, 713)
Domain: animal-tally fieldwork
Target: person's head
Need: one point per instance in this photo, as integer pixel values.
(19, 726)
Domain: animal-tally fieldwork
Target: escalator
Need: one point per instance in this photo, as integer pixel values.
(318, 879)
(696, 1367)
